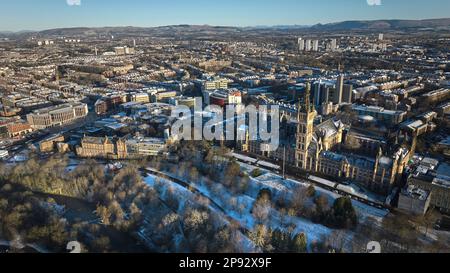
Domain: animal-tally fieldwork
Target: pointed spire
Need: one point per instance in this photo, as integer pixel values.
(380, 152)
(308, 97)
(306, 106)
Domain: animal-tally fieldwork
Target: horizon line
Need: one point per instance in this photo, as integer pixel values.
(233, 26)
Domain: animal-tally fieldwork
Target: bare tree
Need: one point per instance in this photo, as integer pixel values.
(299, 198)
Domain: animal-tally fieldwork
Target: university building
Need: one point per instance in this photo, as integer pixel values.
(145, 147)
(102, 147)
(434, 177)
(317, 149)
(57, 115)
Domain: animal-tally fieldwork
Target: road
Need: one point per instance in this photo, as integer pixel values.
(5, 246)
(192, 188)
(297, 174)
(182, 183)
(36, 137)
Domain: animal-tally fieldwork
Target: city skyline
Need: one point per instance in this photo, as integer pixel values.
(259, 127)
(21, 15)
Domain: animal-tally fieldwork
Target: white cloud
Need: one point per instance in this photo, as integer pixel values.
(374, 2)
(73, 2)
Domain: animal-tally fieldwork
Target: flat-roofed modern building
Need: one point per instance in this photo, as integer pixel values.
(414, 200)
(381, 114)
(439, 188)
(347, 94)
(145, 147)
(434, 178)
(57, 115)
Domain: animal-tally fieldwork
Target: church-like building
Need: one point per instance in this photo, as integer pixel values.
(102, 147)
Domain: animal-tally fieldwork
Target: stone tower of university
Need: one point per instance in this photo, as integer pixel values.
(305, 129)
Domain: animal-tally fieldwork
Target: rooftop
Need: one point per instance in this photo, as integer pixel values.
(375, 109)
(57, 108)
(415, 193)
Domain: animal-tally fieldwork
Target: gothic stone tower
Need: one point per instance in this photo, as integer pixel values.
(121, 149)
(305, 130)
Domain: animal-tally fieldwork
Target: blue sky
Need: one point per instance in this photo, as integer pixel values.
(44, 14)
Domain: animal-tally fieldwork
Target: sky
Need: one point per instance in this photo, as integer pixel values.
(17, 15)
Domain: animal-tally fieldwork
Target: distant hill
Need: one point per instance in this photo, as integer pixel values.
(154, 31)
(282, 27)
(385, 25)
(208, 31)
